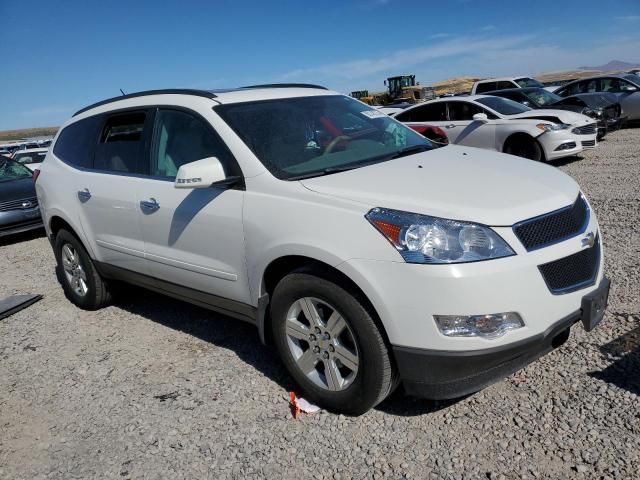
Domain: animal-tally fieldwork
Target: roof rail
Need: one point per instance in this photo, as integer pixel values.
(287, 85)
(169, 91)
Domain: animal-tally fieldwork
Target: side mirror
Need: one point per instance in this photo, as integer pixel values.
(200, 174)
(480, 117)
(526, 104)
(629, 88)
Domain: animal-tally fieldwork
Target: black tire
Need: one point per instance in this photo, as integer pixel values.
(376, 376)
(524, 146)
(97, 294)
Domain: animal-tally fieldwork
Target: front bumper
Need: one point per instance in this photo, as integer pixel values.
(16, 221)
(437, 374)
(552, 141)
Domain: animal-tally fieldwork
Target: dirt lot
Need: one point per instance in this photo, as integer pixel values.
(155, 388)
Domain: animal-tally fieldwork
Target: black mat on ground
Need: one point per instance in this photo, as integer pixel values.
(15, 303)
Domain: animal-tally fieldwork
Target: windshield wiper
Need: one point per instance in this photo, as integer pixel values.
(352, 166)
(410, 151)
(326, 171)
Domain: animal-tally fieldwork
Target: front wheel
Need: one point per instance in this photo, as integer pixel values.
(525, 147)
(330, 344)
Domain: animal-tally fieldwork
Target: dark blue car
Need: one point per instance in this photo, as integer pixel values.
(19, 211)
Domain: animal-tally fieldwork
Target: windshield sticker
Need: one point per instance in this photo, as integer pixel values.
(373, 113)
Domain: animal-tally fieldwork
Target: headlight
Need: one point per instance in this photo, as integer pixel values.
(593, 113)
(550, 127)
(425, 239)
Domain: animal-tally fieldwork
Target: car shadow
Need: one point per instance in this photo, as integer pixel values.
(401, 405)
(624, 371)
(22, 237)
(211, 327)
(242, 338)
(561, 162)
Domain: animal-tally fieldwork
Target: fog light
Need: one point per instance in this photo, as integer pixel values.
(566, 146)
(486, 326)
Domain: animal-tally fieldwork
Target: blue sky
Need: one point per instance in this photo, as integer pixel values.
(59, 56)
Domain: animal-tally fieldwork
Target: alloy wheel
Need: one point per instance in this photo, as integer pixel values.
(73, 271)
(322, 343)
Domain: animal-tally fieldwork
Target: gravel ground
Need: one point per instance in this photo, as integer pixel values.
(155, 388)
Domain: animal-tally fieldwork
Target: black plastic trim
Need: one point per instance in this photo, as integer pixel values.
(20, 227)
(169, 91)
(285, 85)
(228, 307)
(444, 374)
(582, 229)
(580, 285)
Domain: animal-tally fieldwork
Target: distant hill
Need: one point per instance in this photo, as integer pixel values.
(454, 85)
(8, 135)
(612, 65)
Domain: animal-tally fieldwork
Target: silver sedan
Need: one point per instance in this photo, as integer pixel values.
(625, 86)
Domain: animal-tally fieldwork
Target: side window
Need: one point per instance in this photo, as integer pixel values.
(75, 143)
(181, 138)
(462, 111)
(575, 88)
(486, 87)
(504, 85)
(121, 147)
(434, 112)
(516, 97)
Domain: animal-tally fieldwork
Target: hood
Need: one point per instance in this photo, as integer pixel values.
(555, 116)
(461, 183)
(16, 190)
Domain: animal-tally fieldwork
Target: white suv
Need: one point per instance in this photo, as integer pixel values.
(365, 256)
(503, 83)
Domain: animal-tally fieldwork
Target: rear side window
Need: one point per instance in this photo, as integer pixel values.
(486, 87)
(434, 112)
(120, 147)
(75, 143)
(29, 157)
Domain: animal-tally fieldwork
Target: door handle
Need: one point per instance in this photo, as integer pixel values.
(451, 125)
(149, 206)
(84, 195)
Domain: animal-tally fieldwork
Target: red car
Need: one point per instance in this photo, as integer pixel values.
(435, 134)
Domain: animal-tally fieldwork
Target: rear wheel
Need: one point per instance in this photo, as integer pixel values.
(524, 146)
(330, 344)
(80, 280)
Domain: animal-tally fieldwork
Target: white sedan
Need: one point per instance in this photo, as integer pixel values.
(500, 124)
(31, 157)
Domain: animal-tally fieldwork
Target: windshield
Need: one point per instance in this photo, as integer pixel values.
(633, 78)
(10, 170)
(503, 106)
(309, 136)
(542, 97)
(528, 82)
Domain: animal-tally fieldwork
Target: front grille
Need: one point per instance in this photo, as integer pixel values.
(589, 143)
(574, 272)
(585, 129)
(19, 204)
(553, 227)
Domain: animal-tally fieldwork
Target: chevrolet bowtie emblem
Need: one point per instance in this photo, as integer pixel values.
(589, 240)
(26, 204)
